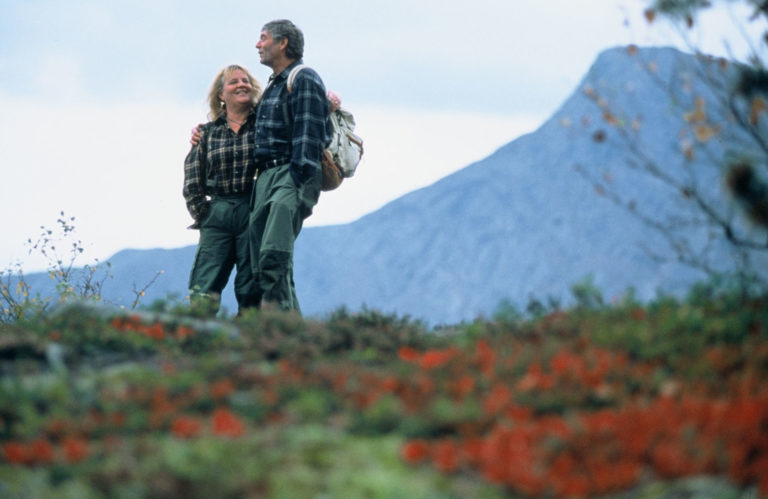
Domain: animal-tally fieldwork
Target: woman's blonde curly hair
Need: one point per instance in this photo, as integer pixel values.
(215, 104)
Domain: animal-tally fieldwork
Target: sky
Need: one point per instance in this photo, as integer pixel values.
(98, 98)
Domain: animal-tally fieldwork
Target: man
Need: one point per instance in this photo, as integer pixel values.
(292, 130)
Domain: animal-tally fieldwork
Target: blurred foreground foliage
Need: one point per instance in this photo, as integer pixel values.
(661, 399)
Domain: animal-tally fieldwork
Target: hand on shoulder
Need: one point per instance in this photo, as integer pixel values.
(197, 134)
(334, 99)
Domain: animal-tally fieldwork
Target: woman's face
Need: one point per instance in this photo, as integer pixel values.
(237, 89)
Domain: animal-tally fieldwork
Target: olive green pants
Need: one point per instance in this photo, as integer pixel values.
(223, 246)
(278, 211)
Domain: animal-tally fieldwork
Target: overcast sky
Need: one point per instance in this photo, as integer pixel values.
(98, 97)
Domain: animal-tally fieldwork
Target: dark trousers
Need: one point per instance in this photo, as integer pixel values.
(223, 246)
(278, 211)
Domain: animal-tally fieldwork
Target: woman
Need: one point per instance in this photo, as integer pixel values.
(218, 179)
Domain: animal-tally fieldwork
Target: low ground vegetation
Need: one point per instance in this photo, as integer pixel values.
(627, 399)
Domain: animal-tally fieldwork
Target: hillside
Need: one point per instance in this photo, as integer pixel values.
(525, 221)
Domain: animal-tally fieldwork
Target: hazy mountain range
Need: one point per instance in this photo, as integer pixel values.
(524, 222)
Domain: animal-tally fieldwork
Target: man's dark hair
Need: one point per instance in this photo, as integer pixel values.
(283, 28)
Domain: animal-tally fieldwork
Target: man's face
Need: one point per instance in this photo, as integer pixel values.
(269, 50)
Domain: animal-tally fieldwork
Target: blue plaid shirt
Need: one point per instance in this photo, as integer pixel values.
(308, 108)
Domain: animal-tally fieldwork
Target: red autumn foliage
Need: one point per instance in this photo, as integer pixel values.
(75, 449)
(186, 427)
(222, 389)
(156, 330)
(408, 354)
(433, 359)
(497, 399)
(227, 424)
(415, 451)
(675, 432)
(41, 451)
(462, 387)
(183, 332)
(445, 454)
(485, 357)
(16, 453)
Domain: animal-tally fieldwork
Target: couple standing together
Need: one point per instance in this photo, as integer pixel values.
(278, 137)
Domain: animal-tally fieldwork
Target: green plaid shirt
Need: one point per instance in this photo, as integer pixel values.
(221, 164)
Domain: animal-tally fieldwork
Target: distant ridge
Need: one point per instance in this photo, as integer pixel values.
(520, 223)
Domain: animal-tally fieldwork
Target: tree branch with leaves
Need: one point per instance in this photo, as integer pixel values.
(717, 181)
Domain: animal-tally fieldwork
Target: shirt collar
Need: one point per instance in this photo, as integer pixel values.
(223, 118)
(284, 73)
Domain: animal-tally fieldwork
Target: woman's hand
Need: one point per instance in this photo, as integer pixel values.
(334, 99)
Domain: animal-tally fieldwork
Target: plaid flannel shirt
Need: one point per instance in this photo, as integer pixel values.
(220, 165)
(308, 109)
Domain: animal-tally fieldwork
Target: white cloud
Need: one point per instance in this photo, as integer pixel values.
(60, 76)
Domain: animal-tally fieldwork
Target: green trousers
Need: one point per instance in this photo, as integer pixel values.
(278, 210)
(223, 246)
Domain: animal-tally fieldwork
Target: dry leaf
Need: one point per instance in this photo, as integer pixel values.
(697, 115)
(705, 132)
(610, 118)
(758, 106)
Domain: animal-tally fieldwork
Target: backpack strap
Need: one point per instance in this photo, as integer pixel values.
(289, 87)
(292, 76)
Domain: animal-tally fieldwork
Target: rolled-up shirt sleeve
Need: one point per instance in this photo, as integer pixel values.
(194, 181)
